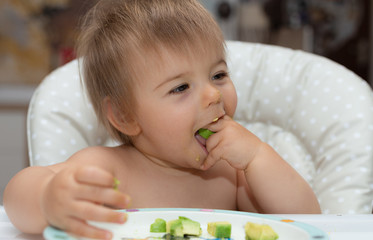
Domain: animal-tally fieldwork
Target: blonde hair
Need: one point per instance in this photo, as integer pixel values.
(117, 32)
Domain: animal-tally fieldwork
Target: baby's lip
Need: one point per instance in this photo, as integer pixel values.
(212, 122)
(200, 139)
(216, 119)
(206, 127)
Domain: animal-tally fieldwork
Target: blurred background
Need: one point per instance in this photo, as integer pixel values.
(38, 36)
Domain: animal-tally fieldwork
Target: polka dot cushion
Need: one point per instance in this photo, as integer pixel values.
(61, 120)
(317, 114)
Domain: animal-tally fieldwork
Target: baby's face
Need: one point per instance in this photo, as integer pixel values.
(176, 96)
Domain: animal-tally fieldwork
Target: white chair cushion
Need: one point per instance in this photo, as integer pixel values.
(61, 120)
(317, 114)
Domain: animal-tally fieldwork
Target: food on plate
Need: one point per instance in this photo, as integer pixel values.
(159, 225)
(219, 229)
(255, 231)
(177, 228)
(205, 133)
(183, 226)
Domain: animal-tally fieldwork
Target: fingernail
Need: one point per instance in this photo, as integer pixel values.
(128, 201)
(108, 235)
(123, 218)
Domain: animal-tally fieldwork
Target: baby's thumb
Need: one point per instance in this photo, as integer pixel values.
(209, 161)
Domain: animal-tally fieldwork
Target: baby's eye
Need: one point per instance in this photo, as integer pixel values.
(220, 76)
(180, 89)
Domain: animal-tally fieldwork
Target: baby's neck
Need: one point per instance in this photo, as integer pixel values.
(166, 166)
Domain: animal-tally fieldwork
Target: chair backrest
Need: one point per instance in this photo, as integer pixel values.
(317, 114)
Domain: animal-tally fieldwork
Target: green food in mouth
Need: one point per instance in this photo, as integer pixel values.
(205, 133)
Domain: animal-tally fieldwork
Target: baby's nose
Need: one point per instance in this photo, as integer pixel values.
(212, 95)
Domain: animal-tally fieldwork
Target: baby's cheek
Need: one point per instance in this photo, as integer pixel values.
(231, 107)
(230, 101)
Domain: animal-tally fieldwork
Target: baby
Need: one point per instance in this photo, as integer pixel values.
(156, 73)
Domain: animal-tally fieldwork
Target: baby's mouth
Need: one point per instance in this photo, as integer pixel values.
(200, 140)
(203, 134)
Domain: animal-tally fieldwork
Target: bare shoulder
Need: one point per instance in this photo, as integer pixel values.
(107, 157)
(92, 153)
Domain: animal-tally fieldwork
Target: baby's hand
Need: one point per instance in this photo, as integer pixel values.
(232, 143)
(78, 194)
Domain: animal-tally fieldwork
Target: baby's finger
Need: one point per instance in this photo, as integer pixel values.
(107, 196)
(95, 176)
(94, 212)
(82, 229)
(219, 125)
(212, 158)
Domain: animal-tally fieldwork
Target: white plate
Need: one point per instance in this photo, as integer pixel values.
(139, 221)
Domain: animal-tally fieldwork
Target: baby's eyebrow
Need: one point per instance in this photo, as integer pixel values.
(222, 61)
(180, 75)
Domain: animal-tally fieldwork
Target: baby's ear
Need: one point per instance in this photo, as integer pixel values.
(121, 121)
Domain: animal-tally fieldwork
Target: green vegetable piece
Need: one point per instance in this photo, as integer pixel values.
(116, 183)
(184, 226)
(256, 231)
(159, 225)
(219, 229)
(205, 133)
(175, 228)
(190, 227)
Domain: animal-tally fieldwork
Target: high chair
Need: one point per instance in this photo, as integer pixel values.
(315, 113)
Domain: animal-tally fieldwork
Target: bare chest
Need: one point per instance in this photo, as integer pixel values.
(149, 190)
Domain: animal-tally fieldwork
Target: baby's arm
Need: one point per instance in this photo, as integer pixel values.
(273, 186)
(65, 195)
(276, 186)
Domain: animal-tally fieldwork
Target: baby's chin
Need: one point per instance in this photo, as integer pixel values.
(198, 160)
(195, 161)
